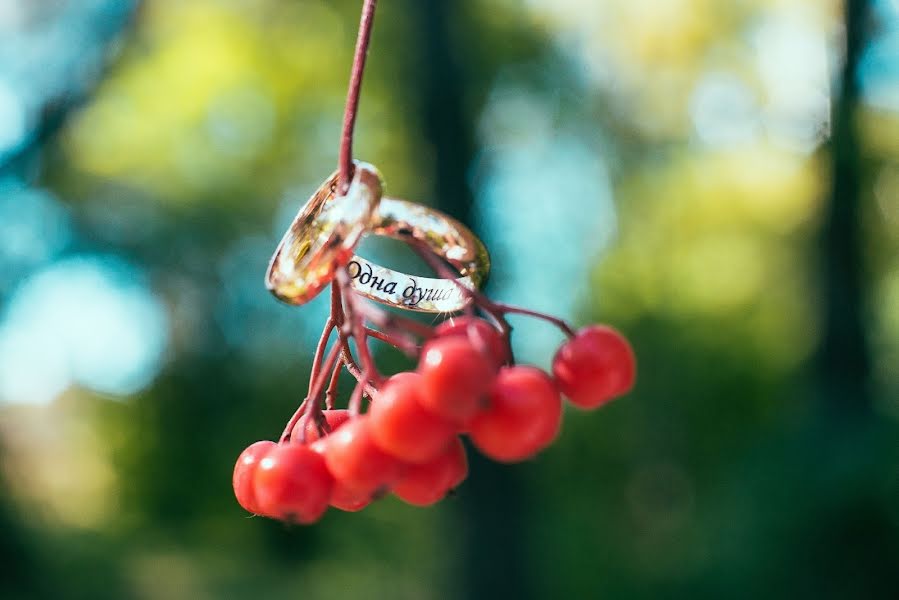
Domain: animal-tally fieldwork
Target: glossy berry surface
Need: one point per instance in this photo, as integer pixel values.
(334, 418)
(456, 462)
(401, 427)
(355, 460)
(342, 497)
(293, 484)
(595, 366)
(455, 378)
(477, 331)
(427, 484)
(347, 500)
(523, 416)
(244, 471)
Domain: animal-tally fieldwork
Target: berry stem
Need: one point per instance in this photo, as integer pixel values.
(345, 160)
(398, 339)
(392, 322)
(332, 386)
(320, 352)
(517, 310)
(357, 327)
(355, 405)
(343, 331)
(497, 309)
(356, 372)
(311, 408)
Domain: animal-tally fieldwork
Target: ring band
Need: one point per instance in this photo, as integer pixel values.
(443, 235)
(323, 236)
(326, 231)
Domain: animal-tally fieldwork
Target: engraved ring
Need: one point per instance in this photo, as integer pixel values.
(326, 231)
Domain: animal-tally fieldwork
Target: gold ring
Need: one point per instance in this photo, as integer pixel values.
(326, 231)
(407, 221)
(323, 236)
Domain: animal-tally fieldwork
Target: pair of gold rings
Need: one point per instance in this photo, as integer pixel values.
(325, 233)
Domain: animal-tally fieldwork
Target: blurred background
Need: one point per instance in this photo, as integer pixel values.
(720, 180)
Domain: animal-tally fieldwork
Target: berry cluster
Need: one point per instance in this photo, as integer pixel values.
(466, 382)
(408, 442)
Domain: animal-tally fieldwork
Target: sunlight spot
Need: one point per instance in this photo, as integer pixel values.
(13, 120)
(85, 320)
(724, 110)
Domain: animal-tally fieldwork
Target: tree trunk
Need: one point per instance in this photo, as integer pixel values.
(843, 362)
(490, 511)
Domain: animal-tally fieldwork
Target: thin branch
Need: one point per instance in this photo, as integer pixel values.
(345, 160)
(388, 321)
(497, 310)
(320, 352)
(356, 372)
(517, 310)
(310, 408)
(332, 386)
(397, 339)
(357, 328)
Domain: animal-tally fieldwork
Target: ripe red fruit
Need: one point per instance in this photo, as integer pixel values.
(356, 462)
(523, 417)
(244, 470)
(424, 485)
(292, 483)
(347, 500)
(334, 418)
(595, 366)
(401, 427)
(342, 497)
(457, 464)
(475, 329)
(455, 378)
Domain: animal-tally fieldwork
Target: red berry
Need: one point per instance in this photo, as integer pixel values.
(342, 497)
(477, 331)
(292, 483)
(595, 366)
(401, 427)
(523, 417)
(347, 500)
(457, 463)
(334, 418)
(455, 378)
(424, 485)
(356, 462)
(244, 470)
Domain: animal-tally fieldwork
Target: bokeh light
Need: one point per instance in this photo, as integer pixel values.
(84, 320)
